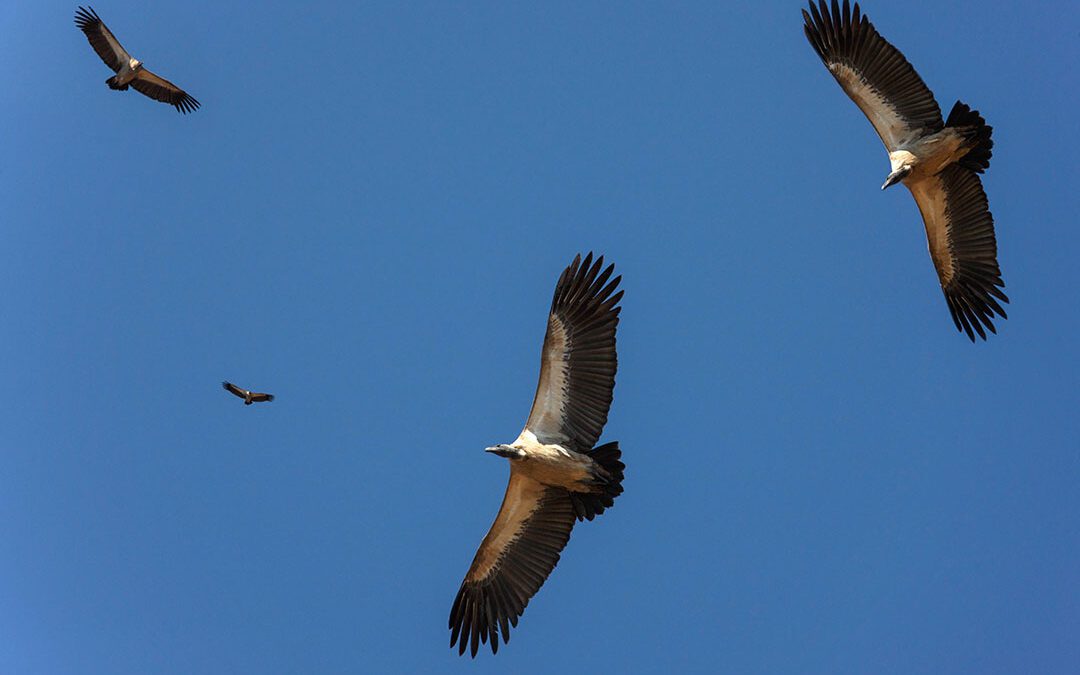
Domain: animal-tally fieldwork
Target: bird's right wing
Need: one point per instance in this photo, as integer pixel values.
(578, 360)
(873, 73)
(513, 561)
(960, 236)
(261, 397)
(160, 89)
(101, 38)
(233, 389)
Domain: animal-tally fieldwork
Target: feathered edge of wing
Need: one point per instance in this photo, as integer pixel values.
(233, 389)
(160, 89)
(872, 72)
(101, 38)
(578, 360)
(960, 236)
(517, 555)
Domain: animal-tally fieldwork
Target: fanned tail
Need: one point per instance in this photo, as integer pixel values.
(588, 505)
(977, 133)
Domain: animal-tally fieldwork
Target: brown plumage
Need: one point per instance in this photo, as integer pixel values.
(129, 71)
(556, 475)
(248, 396)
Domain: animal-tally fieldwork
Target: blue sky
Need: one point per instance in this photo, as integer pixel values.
(367, 217)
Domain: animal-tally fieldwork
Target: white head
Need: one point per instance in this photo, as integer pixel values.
(902, 163)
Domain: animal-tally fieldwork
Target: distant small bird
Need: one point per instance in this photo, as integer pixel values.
(129, 71)
(248, 396)
(938, 161)
(556, 475)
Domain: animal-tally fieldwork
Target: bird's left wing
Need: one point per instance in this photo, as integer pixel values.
(160, 89)
(101, 38)
(960, 236)
(513, 561)
(873, 73)
(578, 360)
(261, 397)
(233, 389)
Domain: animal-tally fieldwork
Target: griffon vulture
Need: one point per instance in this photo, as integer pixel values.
(556, 475)
(129, 71)
(248, 396)
(937, 160)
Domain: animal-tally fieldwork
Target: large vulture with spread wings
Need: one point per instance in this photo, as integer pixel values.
(248, 396)
(937, 160)
(129, 71)
(557, 477)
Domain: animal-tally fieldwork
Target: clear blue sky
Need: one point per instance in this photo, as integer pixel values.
(367, 217)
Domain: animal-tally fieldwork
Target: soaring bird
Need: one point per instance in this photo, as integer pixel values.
(248, 396)
(937, 160)
(556, 475)
(129, 71)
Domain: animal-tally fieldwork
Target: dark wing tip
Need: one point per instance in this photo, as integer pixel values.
(584, 282)
(187, 104)
(86, 17)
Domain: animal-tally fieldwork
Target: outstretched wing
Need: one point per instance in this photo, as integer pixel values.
(578, 360)
(101, 38)
(512, 563)
(960, 235)
(260, 397)
(160, 89)
(873, 73)
(233, 389)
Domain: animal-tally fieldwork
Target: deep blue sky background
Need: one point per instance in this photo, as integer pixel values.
(367, 217)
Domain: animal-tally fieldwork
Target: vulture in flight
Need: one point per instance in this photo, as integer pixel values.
(248, 396)
(939, 161)
(556, 475)
(129, 71)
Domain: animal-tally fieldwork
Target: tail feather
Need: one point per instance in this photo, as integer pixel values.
(977, 133)
(588, 505)
(113, 85)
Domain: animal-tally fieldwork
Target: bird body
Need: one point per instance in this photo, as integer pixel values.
(552, 464)
(925, 156)
(128, 70)
(937, 159)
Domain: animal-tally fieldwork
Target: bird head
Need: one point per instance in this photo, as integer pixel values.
(897, 176)
(507, 451)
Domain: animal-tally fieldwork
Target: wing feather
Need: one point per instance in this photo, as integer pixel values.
(578, 360)
(960, 236)
(101, 38)
(873, 73)
(160, 89)
(233, 389)
(513, 561)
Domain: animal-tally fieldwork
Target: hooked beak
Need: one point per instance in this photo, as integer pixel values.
(505, 451)
(896, 176)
